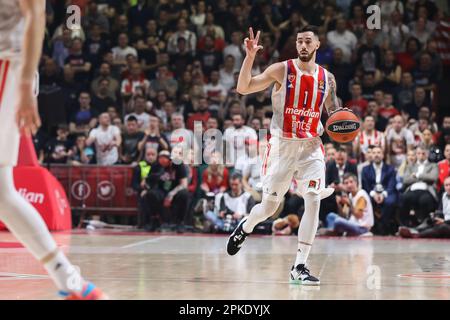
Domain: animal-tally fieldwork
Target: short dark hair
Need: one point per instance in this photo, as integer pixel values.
(132, 118)
(310, 28)
(349, 175)
(236, 176)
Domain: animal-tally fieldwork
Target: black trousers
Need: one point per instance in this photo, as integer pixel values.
(438, 231)
(421, 201)
(151, 206)
(293, 205)
(153, 210)
(180, 208)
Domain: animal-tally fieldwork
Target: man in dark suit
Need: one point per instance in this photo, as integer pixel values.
(337, 168)
(379, 181)
(334, 174)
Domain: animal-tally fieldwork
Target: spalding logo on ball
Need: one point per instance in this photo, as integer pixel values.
(343, 126)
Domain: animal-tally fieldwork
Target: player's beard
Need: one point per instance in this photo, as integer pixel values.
(308, 57)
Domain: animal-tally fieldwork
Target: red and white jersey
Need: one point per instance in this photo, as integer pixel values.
(11, 28)
(297, 105)
(376, 138)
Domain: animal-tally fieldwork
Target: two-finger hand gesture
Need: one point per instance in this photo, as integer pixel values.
(251, 43)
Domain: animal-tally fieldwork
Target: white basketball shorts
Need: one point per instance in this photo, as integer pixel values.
(287, 159)
(9, 132)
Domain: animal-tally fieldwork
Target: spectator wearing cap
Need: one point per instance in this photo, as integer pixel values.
(168, 183)
(420, 194)
(107, 140)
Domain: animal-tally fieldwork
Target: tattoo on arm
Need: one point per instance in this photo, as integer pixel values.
(333, 102)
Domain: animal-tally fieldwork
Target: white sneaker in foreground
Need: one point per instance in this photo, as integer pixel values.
(300, 275)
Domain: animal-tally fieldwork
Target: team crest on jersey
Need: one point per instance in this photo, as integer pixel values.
(291, 78)
(321, 85)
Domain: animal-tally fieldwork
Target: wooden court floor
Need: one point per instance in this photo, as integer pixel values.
(169, 266)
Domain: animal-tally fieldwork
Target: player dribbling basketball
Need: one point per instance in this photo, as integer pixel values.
(22, 26)
(301, 89)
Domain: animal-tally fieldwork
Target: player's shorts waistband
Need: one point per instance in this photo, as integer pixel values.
(291, 140)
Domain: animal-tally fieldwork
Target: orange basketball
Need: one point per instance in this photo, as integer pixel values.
(343, 126)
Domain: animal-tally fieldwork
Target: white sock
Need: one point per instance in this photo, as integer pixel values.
(27, 225)
(66, 276)
(308, 227)
(260, 213)
(302, 253)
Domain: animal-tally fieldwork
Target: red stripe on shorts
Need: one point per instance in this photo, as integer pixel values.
(266, 159)
(3, 79)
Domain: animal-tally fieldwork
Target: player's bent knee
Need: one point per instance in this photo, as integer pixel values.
(270, 206)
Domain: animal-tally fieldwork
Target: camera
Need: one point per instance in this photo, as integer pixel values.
(379, 188)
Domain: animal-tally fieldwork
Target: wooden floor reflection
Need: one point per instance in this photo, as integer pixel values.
(168, 266)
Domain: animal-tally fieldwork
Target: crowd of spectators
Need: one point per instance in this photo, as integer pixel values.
(129, 85)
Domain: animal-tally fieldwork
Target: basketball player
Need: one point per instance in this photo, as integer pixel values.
(22, 25)
(301, 89)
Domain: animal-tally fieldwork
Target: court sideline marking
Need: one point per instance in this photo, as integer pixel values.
(135, 244)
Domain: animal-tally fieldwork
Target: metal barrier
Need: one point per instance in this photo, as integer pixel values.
(98, 189)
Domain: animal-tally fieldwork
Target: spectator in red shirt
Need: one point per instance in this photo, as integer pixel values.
(202, 115)
(215, 177)
(388, 110)
(358, 104)
(444, 167)
(406, 59)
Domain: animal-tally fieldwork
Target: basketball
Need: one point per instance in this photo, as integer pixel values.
(343, 126)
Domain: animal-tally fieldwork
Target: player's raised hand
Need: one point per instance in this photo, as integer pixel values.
(251, 43)
(27, 116)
